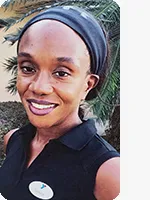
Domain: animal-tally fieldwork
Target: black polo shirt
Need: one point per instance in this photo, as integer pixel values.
(64, 170)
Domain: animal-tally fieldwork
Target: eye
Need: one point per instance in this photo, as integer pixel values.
(27, 68)
(62, 74)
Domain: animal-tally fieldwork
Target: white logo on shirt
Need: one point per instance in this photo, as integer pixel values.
(41, 190)
(1, 197)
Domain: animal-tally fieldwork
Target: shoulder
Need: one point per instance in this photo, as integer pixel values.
(107, 184)
(7, 137)
(94, 149)
(98, 151)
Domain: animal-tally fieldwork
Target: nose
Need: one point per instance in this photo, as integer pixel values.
(41, 85)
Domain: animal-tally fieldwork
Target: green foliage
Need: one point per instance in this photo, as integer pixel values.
(12, 37)
(3, 23)
(11, 66)
(107, 13)
(104, 105)
(113, 133)
(12, 115)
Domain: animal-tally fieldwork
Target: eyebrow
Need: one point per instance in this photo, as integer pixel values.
(66, 59)
(59, 59)
(23, 54)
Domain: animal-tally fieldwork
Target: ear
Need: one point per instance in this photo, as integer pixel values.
(91, 82)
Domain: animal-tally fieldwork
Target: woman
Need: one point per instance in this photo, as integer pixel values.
(61, 57)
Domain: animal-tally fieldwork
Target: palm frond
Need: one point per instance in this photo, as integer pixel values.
(11, 3)
(10, 21)
(12, 37)
(11, 88)
(108, 97)
(3, 23)
(89, 5)
(10, 65)
(114, 33)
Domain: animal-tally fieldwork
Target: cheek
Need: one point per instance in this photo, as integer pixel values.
(22, 84)
(71, 93)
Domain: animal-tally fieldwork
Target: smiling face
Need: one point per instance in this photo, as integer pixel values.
(52, 78)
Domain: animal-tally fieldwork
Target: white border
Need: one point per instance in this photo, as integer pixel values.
(119, 2)
(135, 100)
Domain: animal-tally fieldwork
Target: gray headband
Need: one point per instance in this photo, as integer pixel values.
(84, 24)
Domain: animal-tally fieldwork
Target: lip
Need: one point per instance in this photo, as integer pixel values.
(43, 102)
(40, 112)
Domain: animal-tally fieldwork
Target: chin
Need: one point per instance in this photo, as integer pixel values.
(39, 122)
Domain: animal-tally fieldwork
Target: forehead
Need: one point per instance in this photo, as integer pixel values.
(49, 32)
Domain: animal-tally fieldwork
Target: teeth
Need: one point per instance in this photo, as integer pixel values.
(40, 106)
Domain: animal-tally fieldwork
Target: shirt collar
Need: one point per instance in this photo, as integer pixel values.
(78, 137)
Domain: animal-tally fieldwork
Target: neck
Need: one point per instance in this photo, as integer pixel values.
(44, 135)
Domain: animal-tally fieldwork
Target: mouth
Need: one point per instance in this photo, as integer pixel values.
(40, 107)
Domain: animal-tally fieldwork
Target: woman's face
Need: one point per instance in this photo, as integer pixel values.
(52, 73)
